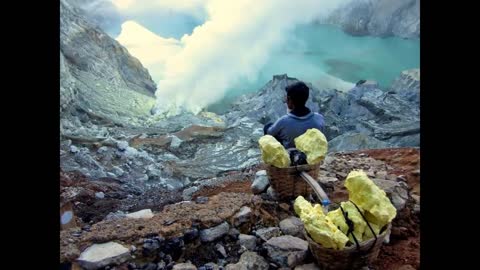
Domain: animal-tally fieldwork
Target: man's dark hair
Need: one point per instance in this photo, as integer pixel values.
(298, 93)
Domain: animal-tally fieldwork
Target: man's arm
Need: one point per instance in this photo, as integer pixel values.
(266, 127)
(274, 129)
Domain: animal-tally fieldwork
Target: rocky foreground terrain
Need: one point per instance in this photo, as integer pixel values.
(236, 223)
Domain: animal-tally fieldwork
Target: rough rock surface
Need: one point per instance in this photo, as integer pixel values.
(379, 18)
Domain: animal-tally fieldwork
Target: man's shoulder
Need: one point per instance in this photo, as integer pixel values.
(284, 118)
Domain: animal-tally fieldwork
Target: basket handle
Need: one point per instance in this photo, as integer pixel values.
(368, 224)
(351, 226)
(316, 187)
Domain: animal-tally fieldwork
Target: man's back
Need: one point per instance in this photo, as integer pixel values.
(294, 124)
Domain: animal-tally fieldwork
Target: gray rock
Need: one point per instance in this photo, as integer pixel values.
(407, 85)
(132, 153)
(113, 91)
(235, 153)
(381, 175)
(188, 192)
(176, 142)
(287, 251)
(143, 178)
(184, 266)
(142, 214)
(248, 241)
(161, 265)
(396, 191)
(272, 194)
(102, 150)
(399, 197)
(122, 145)
(267, 233)
(386, 240)
(327, 179)
(151, 245)
(379, 18)
(101, 255)
(73, 149)
(99, 195)
(244, 215)
(117, 171)
(249, 261)
(382, 118)
(310, 266)
(221, 250)
(292, 226)
(211, 234)
(267, 105)
(115, 216)
(201, 200)
(212, 266)
(392, 177)
(234, 233)
(260, 183)
(355, 141)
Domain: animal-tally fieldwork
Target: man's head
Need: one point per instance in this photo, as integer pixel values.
(297, 95)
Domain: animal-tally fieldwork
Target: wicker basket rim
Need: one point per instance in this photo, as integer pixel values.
(352, 247)
(303, 165)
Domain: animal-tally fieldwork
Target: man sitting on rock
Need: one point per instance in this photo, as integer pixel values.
(298, 119)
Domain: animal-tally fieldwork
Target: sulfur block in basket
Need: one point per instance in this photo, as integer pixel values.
(361, 230)
(314, 144)
(318, 225)
(369, 197)
(273, 152)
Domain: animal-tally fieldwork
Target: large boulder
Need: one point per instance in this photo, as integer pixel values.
(287, 251)
(101, 255)
(211, 234)
(249, 261)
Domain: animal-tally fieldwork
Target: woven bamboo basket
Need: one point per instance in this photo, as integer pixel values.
(349, 258)
(287, 182)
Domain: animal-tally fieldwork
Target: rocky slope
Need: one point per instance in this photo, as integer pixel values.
(97, 73)
(364, 117)
(176, 151)
(379, 18)
(226, 226)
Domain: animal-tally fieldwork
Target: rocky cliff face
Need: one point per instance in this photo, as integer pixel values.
(266, 104)
(379, 115)
(100, 12)
(364, 117)
(379, 18)
(407, 85)
(98, 74)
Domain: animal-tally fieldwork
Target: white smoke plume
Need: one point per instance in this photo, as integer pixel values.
(231, 46)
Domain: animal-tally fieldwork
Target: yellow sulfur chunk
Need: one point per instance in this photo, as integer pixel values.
(318, 225)
(373, 200)
(314, 144)
(273, 152)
